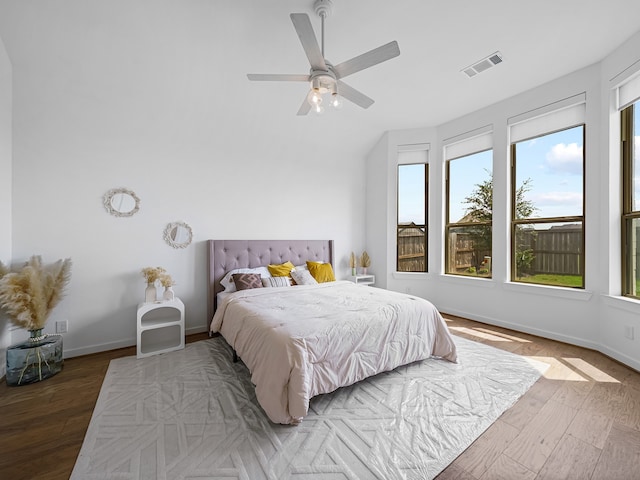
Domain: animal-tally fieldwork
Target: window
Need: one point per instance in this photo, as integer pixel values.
(630, 139)
(547, 205)
(411, 237)
(469, 211)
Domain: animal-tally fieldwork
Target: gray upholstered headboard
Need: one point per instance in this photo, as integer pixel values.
(225, 255)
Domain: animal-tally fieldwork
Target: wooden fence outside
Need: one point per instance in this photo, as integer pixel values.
(556, 251)
(411, 249)
(463, 254)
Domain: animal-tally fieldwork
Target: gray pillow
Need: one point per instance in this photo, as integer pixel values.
(246, 281)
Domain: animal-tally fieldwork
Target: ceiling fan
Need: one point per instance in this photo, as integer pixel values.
(324, 77)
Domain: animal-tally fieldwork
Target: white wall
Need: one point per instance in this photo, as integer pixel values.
(142, 104)
(595, 317)
(5, 182)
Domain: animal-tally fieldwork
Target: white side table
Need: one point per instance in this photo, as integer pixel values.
(362, 279)
(160, 327)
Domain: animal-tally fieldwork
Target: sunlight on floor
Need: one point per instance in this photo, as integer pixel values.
(488, 335)
(573, 370)
(591, 371)
(558, 370)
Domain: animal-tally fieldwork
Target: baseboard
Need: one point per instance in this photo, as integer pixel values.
(580, 342)
(128, 342)
(620, 357)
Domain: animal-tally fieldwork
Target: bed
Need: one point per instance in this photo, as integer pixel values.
(306, 340)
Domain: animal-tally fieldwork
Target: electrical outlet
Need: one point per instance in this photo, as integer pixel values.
(628, 332)
(61, 326)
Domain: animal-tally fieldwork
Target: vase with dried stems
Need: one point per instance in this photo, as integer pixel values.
(167, 282)
(352, 263)
(28, 296)
(365, 262)
(152, 275)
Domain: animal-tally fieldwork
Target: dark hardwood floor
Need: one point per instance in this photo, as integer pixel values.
(581, 420)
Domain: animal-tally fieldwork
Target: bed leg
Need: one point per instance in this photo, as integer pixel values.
(235, 357)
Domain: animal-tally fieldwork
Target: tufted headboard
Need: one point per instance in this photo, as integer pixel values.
(225, 255)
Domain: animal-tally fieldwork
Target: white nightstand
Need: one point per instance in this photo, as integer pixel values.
(160, 327)
(362, 279)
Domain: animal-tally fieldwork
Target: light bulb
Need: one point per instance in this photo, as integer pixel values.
(319, 109)
(336, 101)
(314, 98)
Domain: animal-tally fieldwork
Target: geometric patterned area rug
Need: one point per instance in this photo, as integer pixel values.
(192, 414)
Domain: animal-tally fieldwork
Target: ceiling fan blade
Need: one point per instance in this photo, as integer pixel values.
(354, 95)
(275, 77)
(304, 108)
(368, 59)
(303, 27)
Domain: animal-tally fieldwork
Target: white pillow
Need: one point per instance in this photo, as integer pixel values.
(276, 282)
(227, 280)
(303, 277)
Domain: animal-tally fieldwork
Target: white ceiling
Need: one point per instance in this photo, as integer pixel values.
(197, 54)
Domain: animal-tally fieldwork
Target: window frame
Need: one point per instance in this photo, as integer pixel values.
(515, 222)
(449, 225)
(627, 115)
(400, 227)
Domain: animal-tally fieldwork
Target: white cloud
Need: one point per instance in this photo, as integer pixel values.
(557, 198)
(565, 158)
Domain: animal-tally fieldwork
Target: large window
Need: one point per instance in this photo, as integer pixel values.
(411, 237)
(469, 211)
(547, 205)
(630, 137)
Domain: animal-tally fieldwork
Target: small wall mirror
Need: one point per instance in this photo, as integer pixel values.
(178, 234)
(121, 202)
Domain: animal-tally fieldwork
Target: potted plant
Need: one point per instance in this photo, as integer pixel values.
(28, 296)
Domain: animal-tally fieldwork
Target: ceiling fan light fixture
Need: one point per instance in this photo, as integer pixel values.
(314, 97)
(324, 78)
(336, 101)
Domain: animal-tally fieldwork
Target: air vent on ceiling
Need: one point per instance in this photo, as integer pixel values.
(482, 65)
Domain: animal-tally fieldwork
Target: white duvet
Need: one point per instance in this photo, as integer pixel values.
(306, 340)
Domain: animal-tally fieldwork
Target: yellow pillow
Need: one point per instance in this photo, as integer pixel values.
(281, 270)
(322, 272)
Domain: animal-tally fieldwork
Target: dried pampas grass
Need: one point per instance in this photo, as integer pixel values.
(352, 260)
(152, 274)
(365, 260)
(29, 295)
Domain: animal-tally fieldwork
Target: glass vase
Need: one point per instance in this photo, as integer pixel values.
(35, 359)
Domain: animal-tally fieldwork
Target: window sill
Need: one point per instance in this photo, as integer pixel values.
(411, 276)
(548, 290)
(622, 303)
(471, 281)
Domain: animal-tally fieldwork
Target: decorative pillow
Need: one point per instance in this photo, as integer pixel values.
(303, 277)
(227, 280)
(276, 282)
(281, 270)
(322, 272)
(247, 281)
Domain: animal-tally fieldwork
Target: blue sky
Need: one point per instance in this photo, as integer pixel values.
(552, 162)
(554, 165)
